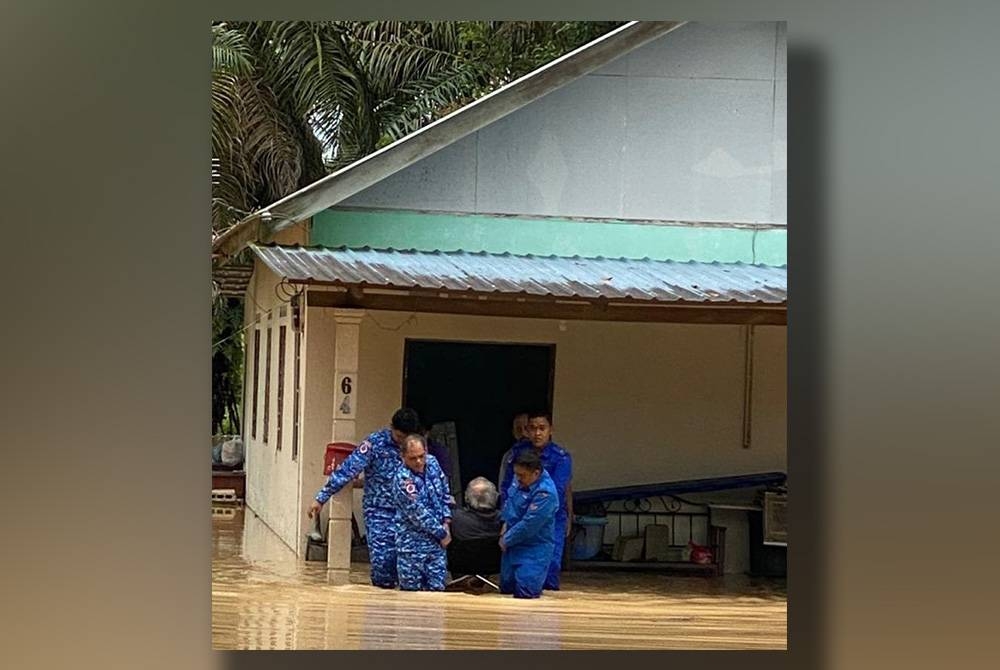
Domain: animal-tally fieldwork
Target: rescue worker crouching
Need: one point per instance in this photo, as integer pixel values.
(527, 535)
(558, 463)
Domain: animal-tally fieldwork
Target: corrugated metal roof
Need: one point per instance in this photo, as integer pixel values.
(562, 277)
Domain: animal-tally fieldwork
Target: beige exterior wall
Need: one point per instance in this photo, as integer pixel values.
(273, 481)
(634, 403)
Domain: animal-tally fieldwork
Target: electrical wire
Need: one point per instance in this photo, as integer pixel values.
(286, 291)
(265, 312)
(245, 328)
(411, 319)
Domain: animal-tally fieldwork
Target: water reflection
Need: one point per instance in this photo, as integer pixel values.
(263, 597)
(533, 628)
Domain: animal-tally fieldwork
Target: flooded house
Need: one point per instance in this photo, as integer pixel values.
(605, 236)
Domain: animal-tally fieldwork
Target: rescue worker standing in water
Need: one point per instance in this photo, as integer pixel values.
(558, 463)
(422, 519)
(379, 459)
(527, 535)
(519, 429)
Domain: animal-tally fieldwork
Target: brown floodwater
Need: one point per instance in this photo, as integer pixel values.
(263, 597)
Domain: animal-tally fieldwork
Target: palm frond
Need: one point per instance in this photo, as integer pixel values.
(230, 52)
(420, 102)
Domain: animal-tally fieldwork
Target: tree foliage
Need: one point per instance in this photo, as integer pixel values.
(294, 100)
(227, 365)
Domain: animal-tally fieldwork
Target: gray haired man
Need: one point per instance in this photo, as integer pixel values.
(475, 549)
(480, 517)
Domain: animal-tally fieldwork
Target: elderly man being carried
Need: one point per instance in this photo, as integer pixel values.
(475, 529)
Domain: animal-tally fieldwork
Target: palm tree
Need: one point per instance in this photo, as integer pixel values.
(294, 100)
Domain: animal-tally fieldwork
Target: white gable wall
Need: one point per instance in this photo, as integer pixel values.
(690, 127)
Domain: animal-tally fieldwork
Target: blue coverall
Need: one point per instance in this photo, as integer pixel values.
(559, 464)
(421, 509)
(378, 457)
(530, 515)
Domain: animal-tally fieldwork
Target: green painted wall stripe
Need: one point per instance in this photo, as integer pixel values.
(561, 237)
(771, 247)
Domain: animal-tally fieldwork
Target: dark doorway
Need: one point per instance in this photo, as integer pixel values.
(480, 387)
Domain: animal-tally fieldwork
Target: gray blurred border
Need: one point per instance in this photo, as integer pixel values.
(893, 374)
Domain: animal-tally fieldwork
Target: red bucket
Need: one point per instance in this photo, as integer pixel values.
(336, 453)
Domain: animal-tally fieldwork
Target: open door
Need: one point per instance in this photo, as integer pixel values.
(479, 387)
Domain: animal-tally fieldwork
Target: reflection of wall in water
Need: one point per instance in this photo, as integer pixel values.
(403, 625)
(479, 629)
(533, 630)
(267, 626)
(338, 632)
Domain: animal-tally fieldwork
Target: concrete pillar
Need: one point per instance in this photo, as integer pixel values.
(346, 345)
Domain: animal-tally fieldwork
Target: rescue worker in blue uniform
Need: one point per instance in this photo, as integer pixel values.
(519, 429)
(559, 465)
(527, 535)
(423, 517)
(378, 458)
